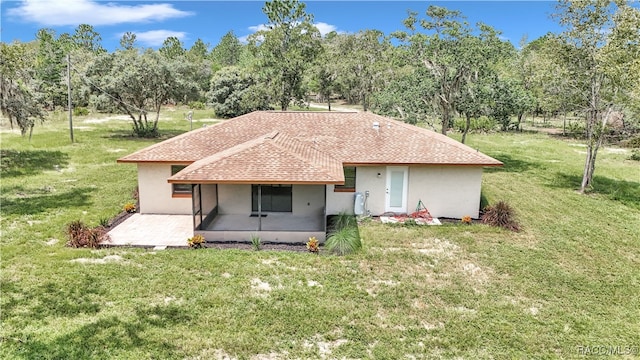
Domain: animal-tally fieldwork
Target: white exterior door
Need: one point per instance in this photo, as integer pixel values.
(396, 191)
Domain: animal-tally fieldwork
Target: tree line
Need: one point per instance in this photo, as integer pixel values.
(438, 69)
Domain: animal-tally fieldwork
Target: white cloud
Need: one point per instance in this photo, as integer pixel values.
(74, 12)
(257, 28)
(324, 29)
(157, 37)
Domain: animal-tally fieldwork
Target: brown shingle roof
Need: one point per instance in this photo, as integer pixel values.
(269, 159)
(347, 137)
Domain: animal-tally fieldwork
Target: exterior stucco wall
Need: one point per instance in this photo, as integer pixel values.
(339, 201)
(234, 199)
(155, 191)
(447, 191)
(366, 179)
(307, 199)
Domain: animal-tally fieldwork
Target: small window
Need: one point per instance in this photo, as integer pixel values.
(349, 180)
(179, 190)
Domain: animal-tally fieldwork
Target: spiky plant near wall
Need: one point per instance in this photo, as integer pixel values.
(256, 242)
(344, 241)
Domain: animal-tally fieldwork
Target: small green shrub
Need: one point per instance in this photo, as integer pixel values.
(196, 105)
(576, 129)
(633, 142)
(342, 220)
(104, 222)
(344, 241)
(80, 111)
(256, 242)
(502, 215)
(196, 241)
(635, 155)
(482, 124)
(80, 235)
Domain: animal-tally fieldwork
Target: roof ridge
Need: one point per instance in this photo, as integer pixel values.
(230, 151)
(298, 155)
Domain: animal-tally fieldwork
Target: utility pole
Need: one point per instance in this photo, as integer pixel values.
(69, 96)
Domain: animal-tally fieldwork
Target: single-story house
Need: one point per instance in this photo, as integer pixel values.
(278, 175)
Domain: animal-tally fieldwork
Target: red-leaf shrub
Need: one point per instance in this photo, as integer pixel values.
(501, 214)
(81, 235)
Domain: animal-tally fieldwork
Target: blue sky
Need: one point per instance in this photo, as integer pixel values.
(153, 21)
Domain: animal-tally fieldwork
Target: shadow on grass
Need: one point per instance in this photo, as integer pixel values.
(30, 162)
(626, 192)
(512, 165)
(50, 299)
(111, 337)
(104, 338)
(29, 205)
(129, 135)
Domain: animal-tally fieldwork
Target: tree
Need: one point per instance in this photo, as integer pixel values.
(285, 50)
(234, 92)
(86, 37)
(198, 51)
(598, 34)
(325, 70)
(227, 52)
(446, 49)
(405, 98)
(50, 67)
(128, 41)
(473, 102)
(364, 64)
(17, 100)
(172, 48)
(135, 83)
(504, 103)
(487, 58)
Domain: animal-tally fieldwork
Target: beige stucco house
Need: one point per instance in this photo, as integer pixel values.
(279, 175)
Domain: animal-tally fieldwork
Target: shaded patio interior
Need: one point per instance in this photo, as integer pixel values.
(270, 222)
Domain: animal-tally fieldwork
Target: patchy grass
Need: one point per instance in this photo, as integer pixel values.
(568, 279)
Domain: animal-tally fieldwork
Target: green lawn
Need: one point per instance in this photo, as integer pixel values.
(570, 279)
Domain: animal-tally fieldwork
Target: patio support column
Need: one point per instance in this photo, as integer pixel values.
(193, 205)
(259, 207)
(324, 211)
(199, 201)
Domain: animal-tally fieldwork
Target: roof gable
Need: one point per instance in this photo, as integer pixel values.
(266, 159)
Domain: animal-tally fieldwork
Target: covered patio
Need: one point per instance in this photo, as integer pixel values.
(273, 187)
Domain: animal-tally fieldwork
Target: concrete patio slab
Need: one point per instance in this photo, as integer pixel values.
(150, 230)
